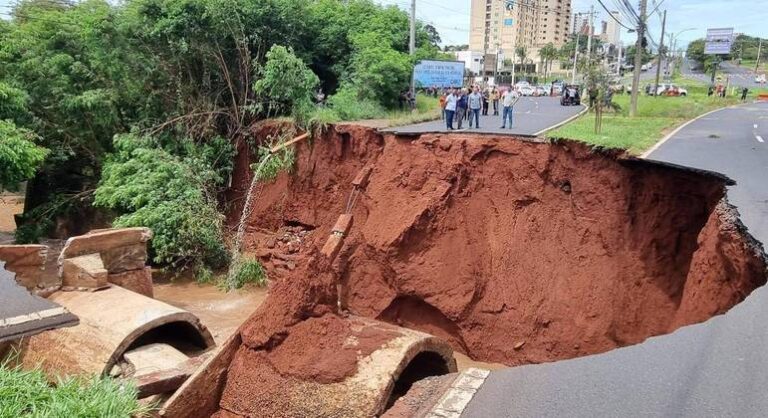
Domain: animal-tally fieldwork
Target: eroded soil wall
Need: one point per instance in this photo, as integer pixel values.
(515, 251)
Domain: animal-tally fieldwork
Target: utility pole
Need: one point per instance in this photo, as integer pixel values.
(575, 58)
(759, 49)
(661, 54)
(638, 59)
(412, 44)
(618, 60)
(589, 31)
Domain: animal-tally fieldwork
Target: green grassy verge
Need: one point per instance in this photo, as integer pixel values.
(28, 394)
(427, 108)
(656, 117)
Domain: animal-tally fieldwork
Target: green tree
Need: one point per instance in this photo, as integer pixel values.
(285, 83)
(19, 155)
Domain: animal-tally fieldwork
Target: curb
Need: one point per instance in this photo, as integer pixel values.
(678, 129)
(457, 397)
(559, 124)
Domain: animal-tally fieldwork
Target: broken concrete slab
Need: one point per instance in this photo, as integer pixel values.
(333, 246)
(343, 224)
(102, 241)
(153, 358)
(125, 258)
(139, 281)
(86, 271)
(361, 180)
(27, 261)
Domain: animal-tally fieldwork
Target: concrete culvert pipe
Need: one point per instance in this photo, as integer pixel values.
(112, 322)
(298, 379)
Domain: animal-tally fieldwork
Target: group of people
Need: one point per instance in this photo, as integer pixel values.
(460, 104)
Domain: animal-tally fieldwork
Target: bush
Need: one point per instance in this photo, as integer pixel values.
(282, 160)
(19, 156)
(349, 104)
(246, 270)
(172, 195)
(27, 393)
(286, 84)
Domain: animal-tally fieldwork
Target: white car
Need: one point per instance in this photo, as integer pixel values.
(522, 83)
(760, 79)
(671, 89)
(526, 91)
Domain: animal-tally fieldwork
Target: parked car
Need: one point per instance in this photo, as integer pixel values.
(526, 90)
(760, 79)
(571, 95)
(522, 83)
(667, 89)
(541, 91)
(557, 89)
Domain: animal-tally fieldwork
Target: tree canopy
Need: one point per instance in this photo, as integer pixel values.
(162, 76)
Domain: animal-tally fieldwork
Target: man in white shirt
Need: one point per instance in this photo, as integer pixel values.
(508, 99)
(450, 108)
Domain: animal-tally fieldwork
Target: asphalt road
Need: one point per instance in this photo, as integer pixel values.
(739, 76)
(531, 115)
(718, 368)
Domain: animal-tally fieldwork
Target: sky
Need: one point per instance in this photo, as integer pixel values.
(451, 17)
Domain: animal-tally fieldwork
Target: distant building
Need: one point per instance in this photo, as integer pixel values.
(501, 26)
(611, 29)
(473, 60)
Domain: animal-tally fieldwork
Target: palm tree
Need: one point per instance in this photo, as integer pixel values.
(522, 53)
(548, 53)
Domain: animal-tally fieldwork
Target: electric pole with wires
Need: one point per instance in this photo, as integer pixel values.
(661, 54)
(638, 59)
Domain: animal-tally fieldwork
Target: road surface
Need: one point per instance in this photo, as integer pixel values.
(718, 368)
(739, 76)
(531, 115)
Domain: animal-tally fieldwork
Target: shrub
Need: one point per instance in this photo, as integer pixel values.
(286, 84)
(19, 156)
(349, 104)
(246, 270)
(172, 195)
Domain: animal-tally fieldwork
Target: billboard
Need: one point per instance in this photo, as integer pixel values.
(718, 41)
(432, 73)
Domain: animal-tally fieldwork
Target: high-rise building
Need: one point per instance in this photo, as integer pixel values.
(501, 26)
(611, 30)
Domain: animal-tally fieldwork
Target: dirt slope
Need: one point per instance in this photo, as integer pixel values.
(514, 251)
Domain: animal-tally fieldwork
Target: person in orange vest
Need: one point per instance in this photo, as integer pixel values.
(442, 105)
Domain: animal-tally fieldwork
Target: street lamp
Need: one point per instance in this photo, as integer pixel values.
(673, 43)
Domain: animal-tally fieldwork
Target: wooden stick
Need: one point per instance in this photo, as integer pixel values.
(277, 148)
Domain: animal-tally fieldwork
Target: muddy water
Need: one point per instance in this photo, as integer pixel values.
(463, 363)
(222, 312)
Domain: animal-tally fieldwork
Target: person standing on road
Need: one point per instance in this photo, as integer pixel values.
(441, 100)
(495, 101)
(486, 95)
(744, 92)
(461, 108)
(475, 101)
(508, 100)
(450, 108)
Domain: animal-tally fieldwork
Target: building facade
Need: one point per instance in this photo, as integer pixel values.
(499, 27)
(611, 29)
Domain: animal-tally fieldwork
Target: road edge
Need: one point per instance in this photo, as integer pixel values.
(463, 389)
(561, 123)
(675, 131)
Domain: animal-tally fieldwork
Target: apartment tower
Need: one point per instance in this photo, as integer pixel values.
(500, 26)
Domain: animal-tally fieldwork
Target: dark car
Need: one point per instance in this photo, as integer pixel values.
(570, 95)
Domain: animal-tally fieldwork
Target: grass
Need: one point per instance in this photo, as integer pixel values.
(343, 110)
(246, 270)
(27, 394)
(655, 117)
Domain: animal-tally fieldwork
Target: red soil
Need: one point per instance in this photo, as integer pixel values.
(490, 242)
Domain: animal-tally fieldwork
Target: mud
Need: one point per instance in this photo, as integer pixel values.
(513, 250)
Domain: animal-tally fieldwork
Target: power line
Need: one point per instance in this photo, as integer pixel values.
(612, 16)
